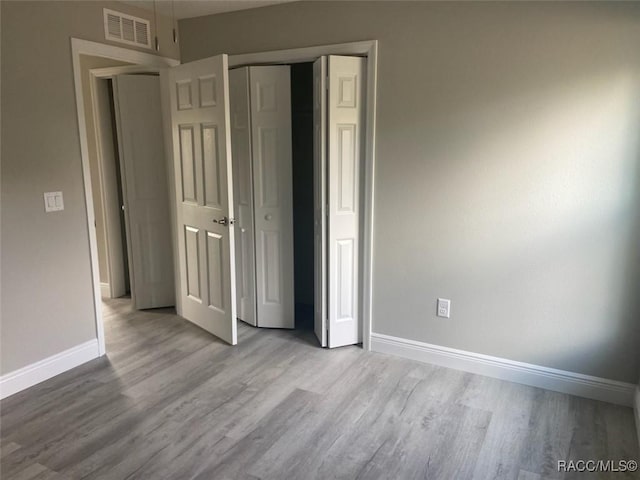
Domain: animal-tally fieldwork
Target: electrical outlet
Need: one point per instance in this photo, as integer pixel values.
(444, 307)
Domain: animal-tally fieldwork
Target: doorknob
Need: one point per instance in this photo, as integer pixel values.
(224, 221)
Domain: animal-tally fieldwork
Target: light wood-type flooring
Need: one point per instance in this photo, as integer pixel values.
(171, 402)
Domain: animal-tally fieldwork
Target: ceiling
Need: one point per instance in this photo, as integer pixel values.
(198, 8)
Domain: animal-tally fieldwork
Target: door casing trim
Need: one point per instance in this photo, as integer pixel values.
(368, 49)
(141, 61)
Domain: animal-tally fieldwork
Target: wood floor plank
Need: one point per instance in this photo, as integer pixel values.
(7, 448)
(524, 475)
(511, 405)
(171, 402)
(30, 472)
(238, 459)
(551, 425)
(328, 422)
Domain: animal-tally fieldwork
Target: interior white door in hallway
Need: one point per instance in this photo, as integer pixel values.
(145, 190)
(338, 197)
(200, 124)
(262, 153)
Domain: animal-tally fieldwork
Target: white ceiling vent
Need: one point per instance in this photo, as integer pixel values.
(123, 28)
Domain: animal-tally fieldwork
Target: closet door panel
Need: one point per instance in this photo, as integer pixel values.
(320, 198)
(270, 107)
(243, 191)
(345, 121)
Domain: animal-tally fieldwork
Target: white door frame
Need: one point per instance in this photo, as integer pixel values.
(105, 73)
(142, 62)
(368, 49)
(96, 74)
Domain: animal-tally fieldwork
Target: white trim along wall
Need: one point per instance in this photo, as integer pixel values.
(47, 368)
(612, 391)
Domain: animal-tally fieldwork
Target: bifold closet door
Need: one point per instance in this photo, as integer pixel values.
(344, 140)
(261, 139)
(200, 125)
(145, 189)
(270, 117)
(320, 199)
(243, 191)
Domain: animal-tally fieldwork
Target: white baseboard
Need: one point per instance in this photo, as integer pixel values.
(612, 391)
(105, 290)
(636, 407)
(47, 368)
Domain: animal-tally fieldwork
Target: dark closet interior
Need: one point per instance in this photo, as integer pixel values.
(302, 159)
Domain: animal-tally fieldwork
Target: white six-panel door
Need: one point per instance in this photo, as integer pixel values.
(270, 107)
(142, 157)
(243, 191)
(200, 122)
(320, 198)
(345, 126)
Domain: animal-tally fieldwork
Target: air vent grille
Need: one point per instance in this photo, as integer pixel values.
(113, 25)
(127, 30)
(123, 28)
(142, 33)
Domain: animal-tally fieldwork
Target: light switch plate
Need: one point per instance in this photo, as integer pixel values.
(444, 307)
(53, 202)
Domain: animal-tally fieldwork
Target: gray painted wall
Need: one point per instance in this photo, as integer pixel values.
(507, 168)
(47, 300)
